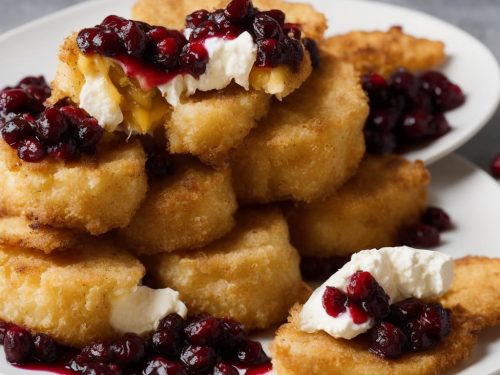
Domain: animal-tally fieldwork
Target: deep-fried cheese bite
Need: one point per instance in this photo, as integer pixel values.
(21, 232)
(94, 194)
(310, 144)
(387, 194)
(187, 210)
(385, 51)
(67, 295)
(251, 275)
(296, 352)
(476, 288)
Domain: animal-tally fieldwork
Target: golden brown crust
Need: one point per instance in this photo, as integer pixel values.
(385, 51)
(66, 295)
(21, 232)
(387, 193)
(307, 147)
(476, 288)
(297, 353)
(251, 275)
(95, 193)
(188, 210)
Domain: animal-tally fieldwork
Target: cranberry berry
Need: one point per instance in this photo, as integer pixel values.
(334, 301)
(44, 348)
(250, 353)
(421, 236)
(162, 366)
(128, 350)
(206, 331)
(198, 359)
(225, 369)
(437, 218)
(18, 345)
(388, 340)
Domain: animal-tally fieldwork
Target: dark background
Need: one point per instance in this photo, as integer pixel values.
(481, 18)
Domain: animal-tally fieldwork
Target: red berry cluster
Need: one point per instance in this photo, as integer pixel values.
(408, 109)
(426, 234)
(201, 345)
(405, 326)
(35, 131)
(169, 50)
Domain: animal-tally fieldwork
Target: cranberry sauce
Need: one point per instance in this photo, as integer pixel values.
(155, 54)
(405, 326)
(198, 345)
(35, 131)
(426, 234)
(407, 109)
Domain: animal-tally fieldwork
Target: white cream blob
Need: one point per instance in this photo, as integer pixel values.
(403, 272)
(229, 59)
(141, 311)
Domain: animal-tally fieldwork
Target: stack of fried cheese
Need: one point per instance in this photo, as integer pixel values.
(77, 235)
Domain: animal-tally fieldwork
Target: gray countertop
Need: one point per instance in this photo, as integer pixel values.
(478, 17)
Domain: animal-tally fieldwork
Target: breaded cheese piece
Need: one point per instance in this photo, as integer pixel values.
(210, 124)
(93, 193)
(310, 144)
(476, 288)
(251, 275)
(171, 13)
(385, 51)
(388, 193)
(21, 232)
(296, 352)
(188, 210)
(67, 295)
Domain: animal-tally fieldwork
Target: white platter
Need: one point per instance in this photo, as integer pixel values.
(470, 196)
(32, 49)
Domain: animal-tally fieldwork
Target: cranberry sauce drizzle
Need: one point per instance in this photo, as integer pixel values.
(198, 345)
(35, 131)
(407, 109)
(155, 54)
(406, 326)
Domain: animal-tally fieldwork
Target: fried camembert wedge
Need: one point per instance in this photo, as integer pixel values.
(385, 51)
(251, 275)
(310, 144)
(387, 194)
(296, 352)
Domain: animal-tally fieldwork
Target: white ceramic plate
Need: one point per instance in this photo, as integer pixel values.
(469, 195)
(472, 198)
(33, 49)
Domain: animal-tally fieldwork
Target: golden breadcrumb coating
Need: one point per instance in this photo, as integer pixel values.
(93, 193)
(476, 288)
(210, 124)
(310, 144)
(171, 13)
(385, 51)
(21, 232)
(66, 295)
(297, 353)
(188, 210)
(387, 194)
(251, 275)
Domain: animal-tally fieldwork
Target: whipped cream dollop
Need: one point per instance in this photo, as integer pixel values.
(229, 59)
(403, 272)
(141, 311)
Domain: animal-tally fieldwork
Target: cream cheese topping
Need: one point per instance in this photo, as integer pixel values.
(141, 311)
(403, 272)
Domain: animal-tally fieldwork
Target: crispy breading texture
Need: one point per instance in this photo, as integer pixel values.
(171, 13)
(251, 275)
(476, 288)
(385, 51)
(66, 295)
(204, 125)
(310, 144)
(188, 210)
(296, 352)
(21, 232)
(95, 193)
(387, 193)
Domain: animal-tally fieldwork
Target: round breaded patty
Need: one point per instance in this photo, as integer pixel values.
(94, 194)
(387, 194)
(251, 275)
(66, 295)
(188, 210)
(310, 144)
(297, 353)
